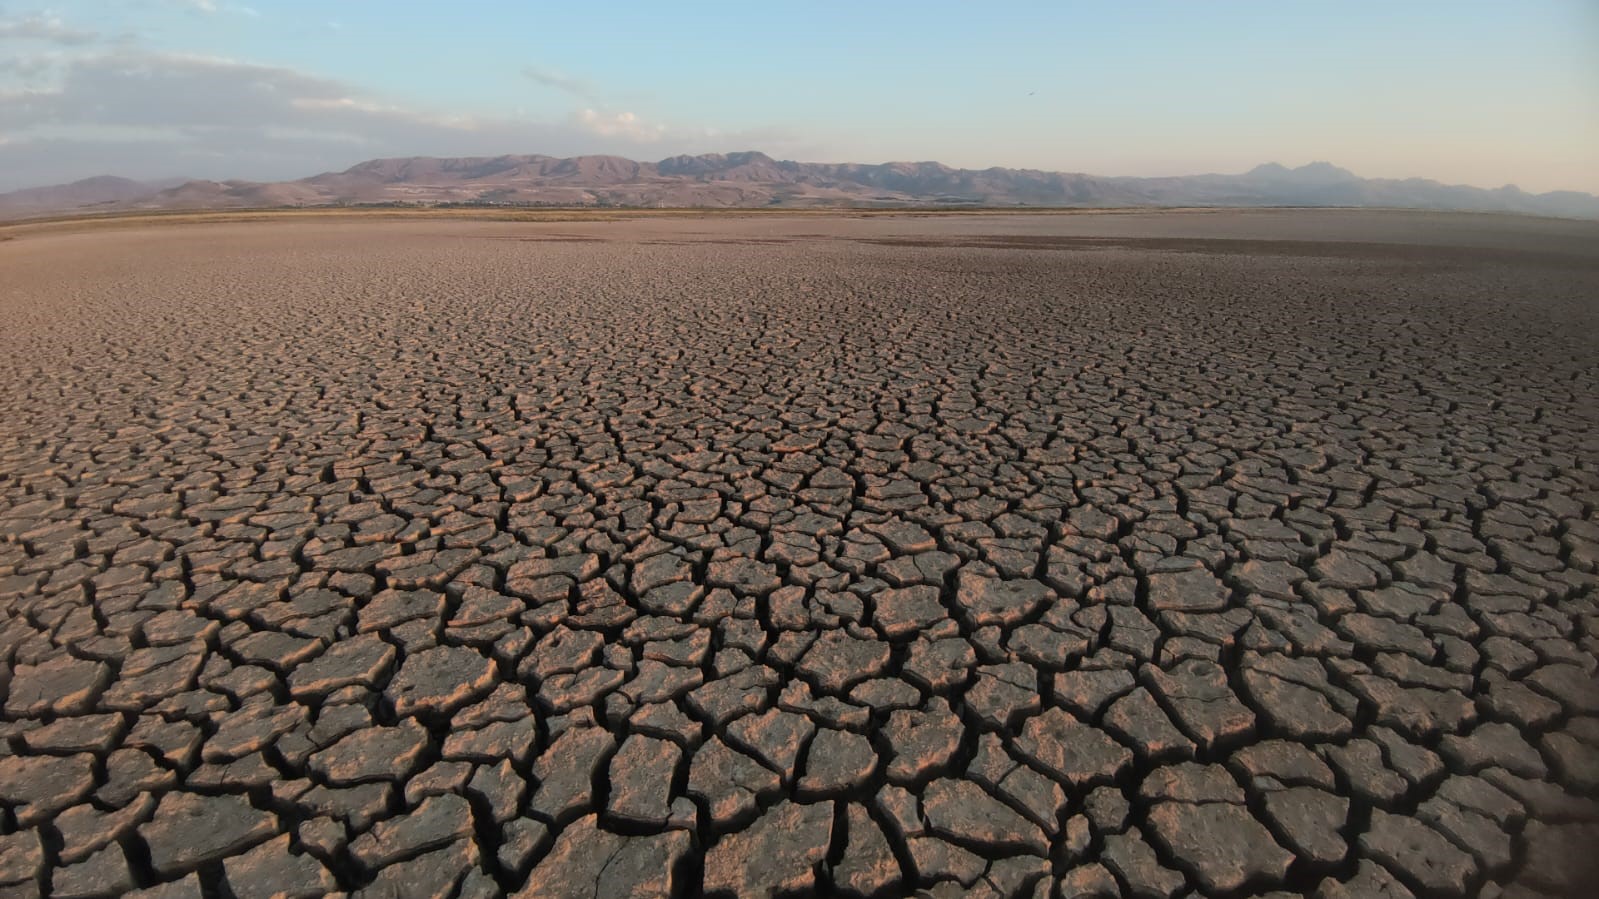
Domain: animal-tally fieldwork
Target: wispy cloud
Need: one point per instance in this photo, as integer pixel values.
(212, 7)
(600, 121)
(30, 65)
(148, 89)
(47, 29)
(134, 112)
(558, 81)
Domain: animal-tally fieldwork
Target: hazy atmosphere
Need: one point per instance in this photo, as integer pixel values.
(1477, 93)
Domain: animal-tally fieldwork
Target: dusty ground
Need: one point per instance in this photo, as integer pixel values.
(977, 554)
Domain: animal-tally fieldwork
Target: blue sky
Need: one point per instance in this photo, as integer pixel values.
(1482, 93)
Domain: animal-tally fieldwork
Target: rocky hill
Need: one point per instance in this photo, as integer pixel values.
(753, 179)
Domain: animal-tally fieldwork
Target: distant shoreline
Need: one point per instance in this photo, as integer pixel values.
(377, 212)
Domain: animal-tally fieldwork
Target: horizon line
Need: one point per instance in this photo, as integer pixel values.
(186, 179)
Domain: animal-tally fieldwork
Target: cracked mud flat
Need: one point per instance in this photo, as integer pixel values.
(789, 556)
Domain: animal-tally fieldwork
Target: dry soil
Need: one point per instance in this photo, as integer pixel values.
(1152, 554)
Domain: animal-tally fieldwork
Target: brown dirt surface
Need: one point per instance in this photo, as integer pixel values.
(1157, 554)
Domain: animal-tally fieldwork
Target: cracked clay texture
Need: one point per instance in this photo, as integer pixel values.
(1159, 554)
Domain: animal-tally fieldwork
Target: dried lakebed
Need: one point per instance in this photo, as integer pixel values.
(1146, 554)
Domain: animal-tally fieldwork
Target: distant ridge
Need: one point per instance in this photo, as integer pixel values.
(753, 179)
(86, 195)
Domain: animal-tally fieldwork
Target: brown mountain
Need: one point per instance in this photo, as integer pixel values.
(753, 179)
(88, 195)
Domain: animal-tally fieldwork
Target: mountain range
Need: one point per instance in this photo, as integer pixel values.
(753, 179)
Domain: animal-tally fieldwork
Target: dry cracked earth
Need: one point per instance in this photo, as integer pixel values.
(788, 556)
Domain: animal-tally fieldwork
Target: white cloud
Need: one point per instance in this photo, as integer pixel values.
(212, 7)
(44, 28)
(141, 114)
(30, 65)
(620, 124)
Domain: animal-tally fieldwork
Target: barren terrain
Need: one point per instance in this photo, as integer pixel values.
(1220, 554)
(755, 180)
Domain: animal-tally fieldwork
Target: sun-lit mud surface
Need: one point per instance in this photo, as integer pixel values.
(981, 556)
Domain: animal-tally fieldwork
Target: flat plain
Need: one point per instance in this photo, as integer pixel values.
(1154, 554)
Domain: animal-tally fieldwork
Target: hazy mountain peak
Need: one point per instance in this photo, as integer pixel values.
(1324, 170)
(108, 181)
(1310, 172)
(1267, 169)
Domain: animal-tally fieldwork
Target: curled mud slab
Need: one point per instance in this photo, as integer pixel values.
(787, 556)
